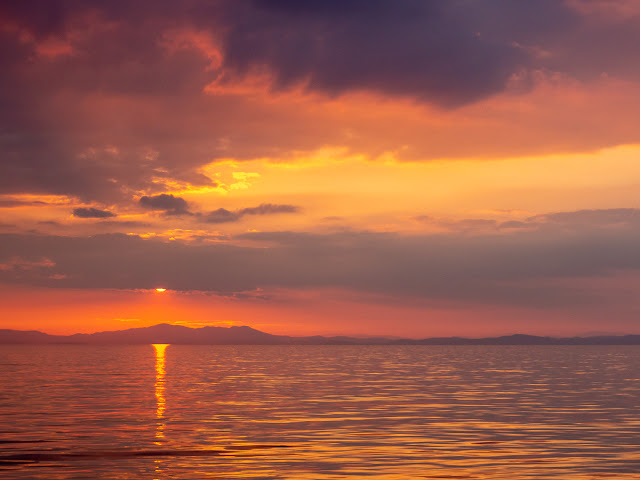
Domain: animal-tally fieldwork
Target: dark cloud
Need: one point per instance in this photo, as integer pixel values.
(268, 209)
(18, 264)
(445, 52)
(20, 203)
(523, 268)
(83, 212)
(222, 215)
(167, 203)
(430, 50)
(124, 223)
(121, 108)
(54, 140)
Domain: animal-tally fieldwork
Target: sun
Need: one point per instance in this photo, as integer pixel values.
(160, 290)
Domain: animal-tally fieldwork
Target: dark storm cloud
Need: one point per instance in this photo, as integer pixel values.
(444, 52)
(448, 52)
(222, 215)
(92, 213)
(430, 50)
(521, 268)
(123, 108)
(167, 203)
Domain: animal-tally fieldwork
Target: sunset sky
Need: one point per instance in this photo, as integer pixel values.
(400, 167)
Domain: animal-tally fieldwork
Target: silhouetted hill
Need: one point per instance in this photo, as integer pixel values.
(520, 339)
(26, 336)
(177, 334)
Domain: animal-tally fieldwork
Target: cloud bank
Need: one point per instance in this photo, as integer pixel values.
(523, 268)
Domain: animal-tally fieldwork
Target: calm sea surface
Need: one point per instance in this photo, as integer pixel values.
(319, 412)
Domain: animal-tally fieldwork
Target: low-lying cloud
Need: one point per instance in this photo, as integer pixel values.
(530, 268)
(579, 219)
(83, 212)
(222, 215)
(166, 203)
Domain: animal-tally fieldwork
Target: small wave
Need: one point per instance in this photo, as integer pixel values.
(4, 442)
(25, 458)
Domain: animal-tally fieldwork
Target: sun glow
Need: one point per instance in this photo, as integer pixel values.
(160, 290)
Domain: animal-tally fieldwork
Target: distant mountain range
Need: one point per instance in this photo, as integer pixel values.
(177, 334)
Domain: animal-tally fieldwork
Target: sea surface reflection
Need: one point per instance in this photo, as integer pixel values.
(161, 401)
(319, 412)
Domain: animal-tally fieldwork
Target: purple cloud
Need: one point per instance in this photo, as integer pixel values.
(222, 215)
(167, 203)
(92, 213)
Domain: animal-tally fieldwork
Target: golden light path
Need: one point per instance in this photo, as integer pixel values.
(159, 387)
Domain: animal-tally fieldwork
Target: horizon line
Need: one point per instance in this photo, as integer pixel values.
(360, 336)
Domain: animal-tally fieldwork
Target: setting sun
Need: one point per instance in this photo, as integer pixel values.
(160, 290)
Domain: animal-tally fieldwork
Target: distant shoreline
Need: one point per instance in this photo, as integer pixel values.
(181, 335)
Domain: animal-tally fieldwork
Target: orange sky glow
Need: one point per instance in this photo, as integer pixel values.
(169, 169)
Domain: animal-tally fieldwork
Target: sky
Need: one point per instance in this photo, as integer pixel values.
(411, 168)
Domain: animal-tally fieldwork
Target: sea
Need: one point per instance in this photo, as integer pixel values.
(319, 412)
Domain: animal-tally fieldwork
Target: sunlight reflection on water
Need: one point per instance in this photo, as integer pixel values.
(266, 412)
(161, 402)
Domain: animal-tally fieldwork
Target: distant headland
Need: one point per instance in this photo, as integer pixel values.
(181, 335)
